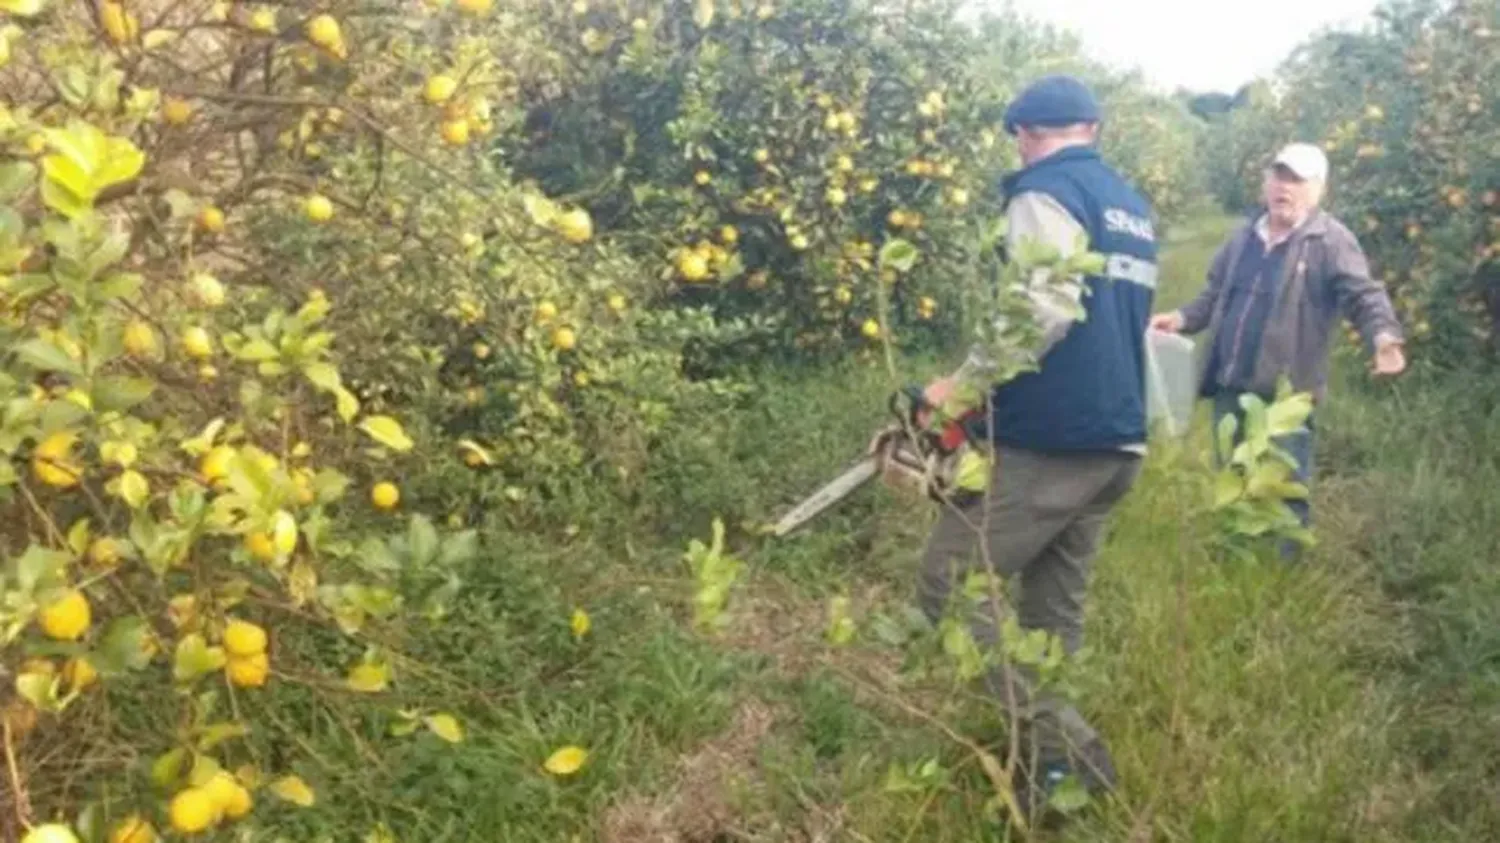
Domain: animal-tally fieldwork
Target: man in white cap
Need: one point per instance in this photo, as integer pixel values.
(1275, 292)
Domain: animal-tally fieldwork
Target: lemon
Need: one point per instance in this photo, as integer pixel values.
(481, 351)
(207, 290)
(104, 552)
(843, 295)
(702, 178)
(871, 329)
(237, 802)
(843, 164)
(50, 833)
(52, 464)
(263, 19)
(324, 31)
(261, 547)
(192, 810)
(575, 226)
(563, 339)
(176, 111)
(197, 343)
(133, 829)
(798, 242)
(68, 618)
(761, 156)
(729, 234)
(475, 7)
(211, 219)
(456, 132)
(318, 208)
(242, 638)
(385, 495)
(617, 303)
(440, 88)
(120, 25)
(248, 671)
(692, 266)
(836, 196)
(960, 197)
(215, 464)
(140, 339)
(79, 674)
(221, 791)
(581, 378)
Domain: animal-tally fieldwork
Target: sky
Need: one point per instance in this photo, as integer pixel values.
(1198, 52)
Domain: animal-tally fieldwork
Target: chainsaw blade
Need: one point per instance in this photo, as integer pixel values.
(829, 495)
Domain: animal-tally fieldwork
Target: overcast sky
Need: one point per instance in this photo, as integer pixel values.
(1177, 42)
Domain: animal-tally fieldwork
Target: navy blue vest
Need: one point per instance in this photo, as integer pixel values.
(1090, 393)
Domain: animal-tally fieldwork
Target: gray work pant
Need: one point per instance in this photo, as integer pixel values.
(1044, 517)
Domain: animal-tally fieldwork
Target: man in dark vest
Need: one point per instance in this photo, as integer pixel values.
(1068, 438)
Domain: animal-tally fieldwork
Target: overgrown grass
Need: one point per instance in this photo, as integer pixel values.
(1351, 699)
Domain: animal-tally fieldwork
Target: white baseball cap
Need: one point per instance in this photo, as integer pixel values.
(1304, 159)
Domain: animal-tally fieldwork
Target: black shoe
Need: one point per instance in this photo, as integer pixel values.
(1044, 799)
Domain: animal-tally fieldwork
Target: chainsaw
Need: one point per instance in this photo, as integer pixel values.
(903, 453)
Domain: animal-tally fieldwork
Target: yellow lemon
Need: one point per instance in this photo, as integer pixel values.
(133, 829)
(104, 552)
(960, 197)
(546, 311)
(79, 674)
(871, 329)
(798, 241)
(617, 303)
(248, 671)
(836, 196)
(318, 208)
(475, 7)
(67, 618)
(52, 461)
(176, 111)
(215, 464)
(692, 266)
(211, 219)
(456, 132)
(576, 226)
(140, 339)
(702, 178)
(324, 31)
(843, 295)
(261, 547)
(120, 25)
(197, 343)
(50, 833)
(238, 802)
(729, 234)
(206, 290)
(192, 810)
(440, 88)
(242, 638)
(761, 156)
(564, 339)
(385, 495)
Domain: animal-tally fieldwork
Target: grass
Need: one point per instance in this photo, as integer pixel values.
(1351, 699)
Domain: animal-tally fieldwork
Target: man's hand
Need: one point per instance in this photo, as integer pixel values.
(1169, 323)
(1390, 357)
(937, 394)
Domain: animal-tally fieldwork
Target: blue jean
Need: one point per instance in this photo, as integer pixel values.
(1299, 445)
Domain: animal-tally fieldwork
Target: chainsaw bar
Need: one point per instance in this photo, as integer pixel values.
(829, 495)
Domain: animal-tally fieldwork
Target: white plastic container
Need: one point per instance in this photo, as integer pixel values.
(1171, 381)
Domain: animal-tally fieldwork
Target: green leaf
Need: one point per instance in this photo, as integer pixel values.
(44, 356)
(1288, 415)
(195, 658)
(348, 405)
(38, 566)
(122, 647)
(167, 769)
(39, 689)
(422, 541)
(119, 286)
(387, 431)
(323, 375)
(133, 489)
(218, 733)
(445, 726)
(900, 255)
(257, 351)
(117, 394)
(1227, 488)
(15, 177)
(459, 548)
